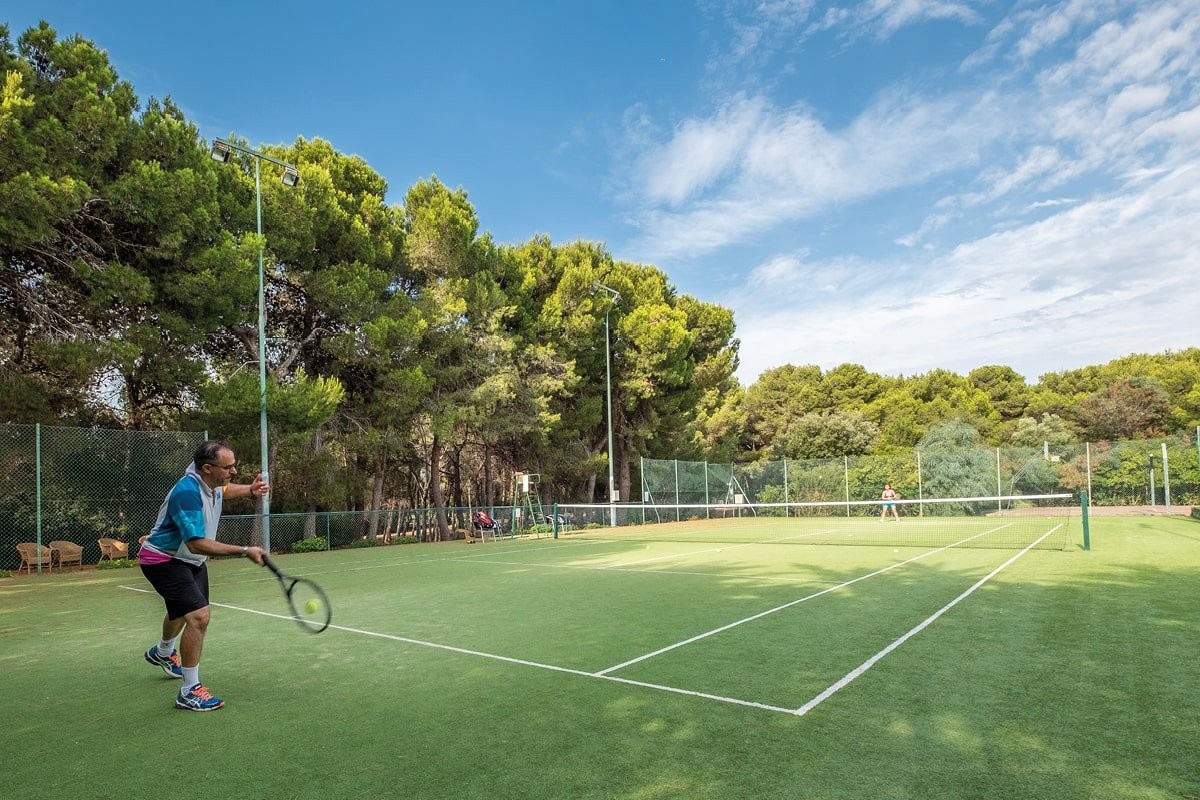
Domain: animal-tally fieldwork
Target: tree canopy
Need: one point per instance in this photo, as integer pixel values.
(412, 359)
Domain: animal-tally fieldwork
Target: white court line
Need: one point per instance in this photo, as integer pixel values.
(509, 660)
(762, 614)
(873, 660)
(673, 689)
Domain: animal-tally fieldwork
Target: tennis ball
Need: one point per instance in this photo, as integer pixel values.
(311, 606)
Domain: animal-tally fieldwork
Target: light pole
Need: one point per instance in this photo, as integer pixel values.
(612, 492)
(222, 151)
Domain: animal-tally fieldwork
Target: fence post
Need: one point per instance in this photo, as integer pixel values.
(846, 481)
(1083, 505)
(920, 488)
(1153, 491)
(677, 487)
(999, 488)
(789, 511)
(37, 472)
(1166, 479)
(1087, 448)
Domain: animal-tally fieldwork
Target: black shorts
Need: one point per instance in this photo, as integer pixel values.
(183, 586)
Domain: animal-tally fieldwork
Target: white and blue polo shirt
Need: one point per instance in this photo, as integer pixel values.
(191, 511)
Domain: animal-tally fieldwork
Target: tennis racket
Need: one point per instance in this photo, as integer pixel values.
(309, 605)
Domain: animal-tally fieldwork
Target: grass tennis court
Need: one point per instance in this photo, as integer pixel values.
(599, 667)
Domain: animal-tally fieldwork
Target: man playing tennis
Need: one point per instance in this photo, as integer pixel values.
(889, 494)
(173, 557)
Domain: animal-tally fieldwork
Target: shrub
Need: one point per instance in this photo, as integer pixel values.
(406, 539)
(363, 543)
(316, 543)
(5, 573)
(117, 563)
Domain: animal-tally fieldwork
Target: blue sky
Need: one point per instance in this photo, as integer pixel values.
(904, 184)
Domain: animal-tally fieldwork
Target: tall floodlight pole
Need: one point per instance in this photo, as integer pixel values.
(223, 151)
(612, 493)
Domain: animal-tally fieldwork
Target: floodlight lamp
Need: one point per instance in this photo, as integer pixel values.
(600, 287)
(221, 151)
(290, 176)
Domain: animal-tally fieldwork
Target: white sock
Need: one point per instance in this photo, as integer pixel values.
(191, 676)
(166, 647)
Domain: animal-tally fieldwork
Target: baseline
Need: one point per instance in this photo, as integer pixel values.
(507, 659)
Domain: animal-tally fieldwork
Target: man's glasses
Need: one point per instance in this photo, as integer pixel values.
(228, 468)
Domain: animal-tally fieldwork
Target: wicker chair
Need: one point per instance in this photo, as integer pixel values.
(35, 555)
(68, 553)
(112, 549)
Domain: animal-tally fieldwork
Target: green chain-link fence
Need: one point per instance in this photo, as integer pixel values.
(82, 484)
(1144, 472)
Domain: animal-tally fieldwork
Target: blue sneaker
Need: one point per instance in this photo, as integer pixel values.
(170, 664)
(198, 698)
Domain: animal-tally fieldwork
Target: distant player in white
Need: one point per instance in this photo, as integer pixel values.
(888, 494)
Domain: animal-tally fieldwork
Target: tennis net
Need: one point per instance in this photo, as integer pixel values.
(1048, 521)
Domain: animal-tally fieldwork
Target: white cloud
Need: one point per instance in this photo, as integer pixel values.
(889, 16)
(931, 224)
(759, 30)
(700, 152)
(880, 19)
(787, 165)
(1183, 126)
(1084, 286)
(1050, 24)
(780, 270)
(1051, 204)
(1157, 43)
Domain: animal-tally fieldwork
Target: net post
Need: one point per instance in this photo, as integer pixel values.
(1083, 507)
(554, 520)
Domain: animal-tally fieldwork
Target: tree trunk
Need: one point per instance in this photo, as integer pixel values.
(310, 505)
(626, 479)
(376, 496)
(437, 496)
(487, 496)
